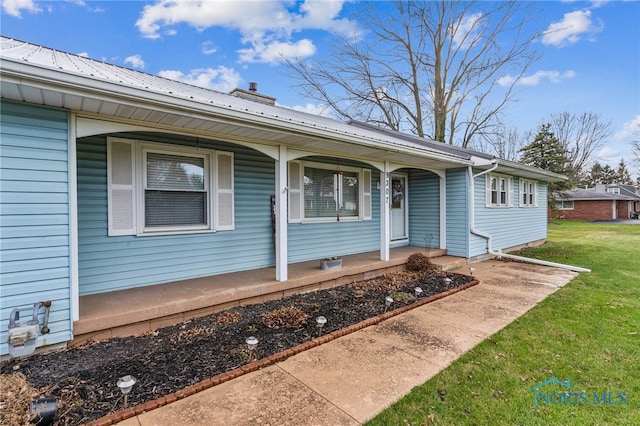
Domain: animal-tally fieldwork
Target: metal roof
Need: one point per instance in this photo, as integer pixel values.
(91, 88)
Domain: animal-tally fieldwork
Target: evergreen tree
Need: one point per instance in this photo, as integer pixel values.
(609, 175)
(546, 152)
(592, 177)
(623, 175)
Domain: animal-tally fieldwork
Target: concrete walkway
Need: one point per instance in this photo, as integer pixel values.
(351, 379)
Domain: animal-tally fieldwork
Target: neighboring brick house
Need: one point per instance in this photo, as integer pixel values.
(605, 202)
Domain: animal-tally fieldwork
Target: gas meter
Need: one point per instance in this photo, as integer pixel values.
(23, 334)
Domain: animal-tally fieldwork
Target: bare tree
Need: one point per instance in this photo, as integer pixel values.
(581, 135)
(434, 68)
(635, 148)
(505, 144)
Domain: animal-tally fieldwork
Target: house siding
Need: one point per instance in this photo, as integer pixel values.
(424, 209)
(114, 263)
(34, 217)
(508, 226)
(309, 241)
(457, 212)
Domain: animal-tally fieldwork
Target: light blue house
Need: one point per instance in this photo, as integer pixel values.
(114, 179)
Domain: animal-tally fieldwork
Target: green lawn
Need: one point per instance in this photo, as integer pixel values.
(587, 332)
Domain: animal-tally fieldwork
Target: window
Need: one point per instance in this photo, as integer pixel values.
(613, 190)
(528, 193)
(564, 204)
(176, 192)
(499, 191)
(320, 192)
(166, 189)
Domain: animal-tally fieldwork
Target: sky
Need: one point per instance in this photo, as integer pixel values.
(590, 50)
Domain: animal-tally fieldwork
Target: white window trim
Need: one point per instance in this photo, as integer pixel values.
(364, 197)
(138, 163)
(562, 207)
(524, 186)
(141, 169)
(509, 191)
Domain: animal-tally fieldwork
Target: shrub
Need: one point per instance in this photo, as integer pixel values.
(419, 262)
(287, 317)
(228, 318)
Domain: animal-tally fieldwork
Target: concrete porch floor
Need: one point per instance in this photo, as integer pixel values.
(138, 310)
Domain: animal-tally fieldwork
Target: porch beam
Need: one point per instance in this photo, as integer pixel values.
(281, 216)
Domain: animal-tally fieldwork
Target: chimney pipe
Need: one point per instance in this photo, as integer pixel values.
(253, 87)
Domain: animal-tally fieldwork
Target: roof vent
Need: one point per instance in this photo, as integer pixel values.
(253, 95)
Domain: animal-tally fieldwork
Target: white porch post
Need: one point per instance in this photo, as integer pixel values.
(443, 211)
(281, 216)
(385, 208)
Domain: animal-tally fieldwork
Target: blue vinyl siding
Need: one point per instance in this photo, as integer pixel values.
(309, 241)
(34, 217)
(457, 213)
(114, 263)
(424, 209)
(508, 226)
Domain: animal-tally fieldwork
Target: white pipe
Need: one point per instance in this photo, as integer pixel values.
(488, 237)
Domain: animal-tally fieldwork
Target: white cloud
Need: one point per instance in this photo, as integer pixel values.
(208, 48)
(609, 155)
(315, 109)
(83, 54)
(221, 79)
(468, 31)
(275, 51)
(536, 78)
(630, 130)
(573, 27)
(266, 27)
(16, 7)
(135, 61)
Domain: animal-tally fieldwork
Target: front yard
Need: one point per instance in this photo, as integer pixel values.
(586, 336)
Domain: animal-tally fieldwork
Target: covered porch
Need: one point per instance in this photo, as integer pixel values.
(142, 309)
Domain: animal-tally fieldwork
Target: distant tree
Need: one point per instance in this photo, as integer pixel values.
(592, 177)
(581, 135)
(635, 148)
(440, 69)
(609, 175)
(546, 152)
(505, 144)
(622, 174)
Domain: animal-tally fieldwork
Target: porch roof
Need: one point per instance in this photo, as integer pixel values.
(90, 88)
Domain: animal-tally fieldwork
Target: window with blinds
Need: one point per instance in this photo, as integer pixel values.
(156, 188)
(321, 192)
(176, 190)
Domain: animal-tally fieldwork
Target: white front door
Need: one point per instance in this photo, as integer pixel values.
(398, 207)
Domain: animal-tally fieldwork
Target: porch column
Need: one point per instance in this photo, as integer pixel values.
(443, 211)
(385, 209)
(281, 215)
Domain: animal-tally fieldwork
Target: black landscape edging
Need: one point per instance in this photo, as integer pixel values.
(144, 407)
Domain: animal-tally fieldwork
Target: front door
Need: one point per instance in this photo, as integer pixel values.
(398, 207)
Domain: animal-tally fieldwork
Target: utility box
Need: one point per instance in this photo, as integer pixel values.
(23, 334)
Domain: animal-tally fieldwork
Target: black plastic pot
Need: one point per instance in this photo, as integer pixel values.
(43, 411)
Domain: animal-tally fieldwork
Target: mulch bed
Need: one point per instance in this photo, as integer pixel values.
(170, 359)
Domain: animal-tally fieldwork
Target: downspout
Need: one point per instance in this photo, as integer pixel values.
(488, 237)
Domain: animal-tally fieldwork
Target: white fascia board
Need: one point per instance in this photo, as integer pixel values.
(46, 78)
